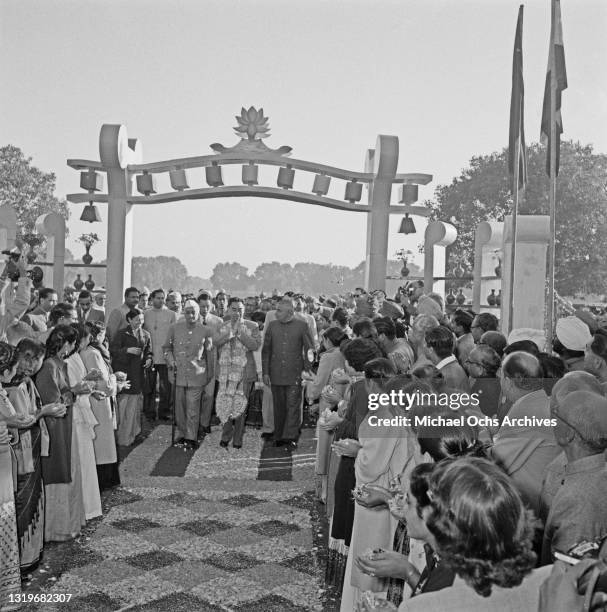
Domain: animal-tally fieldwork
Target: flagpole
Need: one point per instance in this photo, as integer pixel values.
(515, 161)
(552, 184)
(514, 228)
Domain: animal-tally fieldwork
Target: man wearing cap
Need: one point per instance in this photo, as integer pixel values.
(578, 510)
(186, 350)
(572, 336)
(144, 296)
(100, 301)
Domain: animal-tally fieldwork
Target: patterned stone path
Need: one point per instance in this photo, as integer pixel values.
(236, 531)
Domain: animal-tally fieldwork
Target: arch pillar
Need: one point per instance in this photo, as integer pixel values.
(439, 235)
(116, 152)
(382, 161)
(532, 238)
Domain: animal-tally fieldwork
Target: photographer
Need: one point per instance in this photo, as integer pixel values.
(13, 304)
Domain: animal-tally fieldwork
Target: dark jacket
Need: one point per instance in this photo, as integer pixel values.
(131, 364)
(284, 348)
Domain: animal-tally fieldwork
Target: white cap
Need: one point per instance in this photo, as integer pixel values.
(536, 336)
(573, 333)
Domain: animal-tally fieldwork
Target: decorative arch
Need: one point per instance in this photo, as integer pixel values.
(120, 159)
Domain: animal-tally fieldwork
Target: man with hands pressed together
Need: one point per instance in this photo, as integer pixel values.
(237, 340)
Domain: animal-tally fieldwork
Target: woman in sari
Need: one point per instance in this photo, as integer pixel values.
(64, 514)
(131, 352)
(96, 356)
(331, 360)
(28, 442)
(10, 578)
(360, 356)
(85, 422)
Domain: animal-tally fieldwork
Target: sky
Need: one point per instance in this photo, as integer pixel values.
(330, 75)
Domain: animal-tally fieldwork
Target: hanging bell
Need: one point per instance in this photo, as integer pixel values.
(354, 192)
(321, 184)
(146, 184)
(249, 174)
(90, 213)
(91, 181)
(407, 226)
(286, 176)
(213, 175)
(408, 194)
(179, 180)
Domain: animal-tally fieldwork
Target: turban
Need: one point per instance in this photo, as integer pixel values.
(536, 336)
(573, 333)
(191, 304)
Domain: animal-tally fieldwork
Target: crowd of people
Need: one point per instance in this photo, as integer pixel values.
(463, 506)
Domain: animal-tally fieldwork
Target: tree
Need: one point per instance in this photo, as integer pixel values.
(481, 193)
(158, 272)
(274, 275)
(230, 276)
(29, 190)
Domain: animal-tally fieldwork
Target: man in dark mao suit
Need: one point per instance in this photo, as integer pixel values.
(284, 356)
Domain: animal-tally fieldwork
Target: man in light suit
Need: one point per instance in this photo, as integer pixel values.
(85, 311)
(238, 330)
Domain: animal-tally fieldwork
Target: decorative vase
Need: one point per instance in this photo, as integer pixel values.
(87, 257)
(31, 255)
(450, 298)
(498, 269)
(492, 298)
(78, 283)
(498, 298)
(461, 298)
(37, 277)
(404, 271)
(89, 283)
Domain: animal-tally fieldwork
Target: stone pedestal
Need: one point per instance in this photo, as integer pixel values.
(533, 235)
(488, 239)
(8, 227)
(439, 235)
(52, 227)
